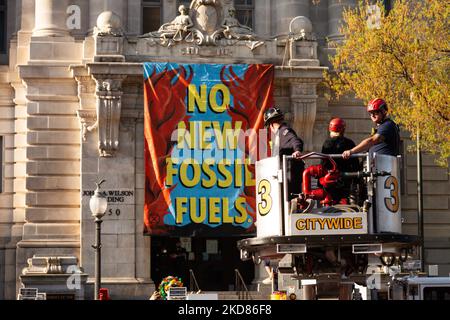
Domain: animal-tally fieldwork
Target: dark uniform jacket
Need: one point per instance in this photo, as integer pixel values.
(290, 142)
(338, 145)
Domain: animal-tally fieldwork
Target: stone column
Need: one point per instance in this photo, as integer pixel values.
(50, 18)
(303, 108)
(319, 19)
(335, 11)
(286, 10)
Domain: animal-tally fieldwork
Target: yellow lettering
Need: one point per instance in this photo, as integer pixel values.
(223, 164)
(200, 215)
(300, 224)
(240, 207)
(196, 98)
(313, 223)
(348, 223)
(322, 223)
(214, 209)
(333, 224)
(183, 136)
(357, 223)
(213, 98)
(205, 135)
(238, 174)
(206, 166)
(180, 209)
(226, 134)
(171, 171)
(249, 179)
(184, 179)
(226, 212)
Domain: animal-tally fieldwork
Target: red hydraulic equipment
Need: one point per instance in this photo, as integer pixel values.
(327, 178)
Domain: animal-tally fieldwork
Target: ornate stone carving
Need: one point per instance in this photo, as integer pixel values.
(108, 24)
(300, 29)
(108, 109)
(86, 88)
(108, 115)
(207, 14)
(41, 264)
(60, 275)
(233, 29)
(174, 31)
(302, 43)
(88, 120)
(206, 24)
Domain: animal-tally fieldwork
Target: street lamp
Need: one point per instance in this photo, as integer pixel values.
(98, 205)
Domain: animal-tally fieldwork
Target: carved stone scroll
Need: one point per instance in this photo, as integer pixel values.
(108, 109)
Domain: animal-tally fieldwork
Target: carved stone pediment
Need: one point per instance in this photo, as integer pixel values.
(207, 22)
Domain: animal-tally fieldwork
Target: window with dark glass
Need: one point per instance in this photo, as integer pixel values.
(151, 15)
(186, 3)
(244, 11)
(2, 26)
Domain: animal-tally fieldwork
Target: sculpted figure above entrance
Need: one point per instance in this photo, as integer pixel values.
(173, 31)
(208, 22)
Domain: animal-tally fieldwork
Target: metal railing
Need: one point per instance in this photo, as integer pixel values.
(240, 286)
(193, 284)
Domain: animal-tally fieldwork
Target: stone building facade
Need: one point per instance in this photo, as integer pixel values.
(71, 111)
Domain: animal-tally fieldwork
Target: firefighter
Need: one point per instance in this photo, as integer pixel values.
(386, 138)
(337, 144)
(286, 142)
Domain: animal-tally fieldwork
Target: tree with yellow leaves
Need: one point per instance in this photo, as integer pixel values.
(402, 57)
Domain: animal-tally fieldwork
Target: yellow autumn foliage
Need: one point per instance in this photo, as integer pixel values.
(404, 60)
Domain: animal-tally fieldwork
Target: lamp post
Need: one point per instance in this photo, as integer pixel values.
(98, 205)
(420, 230)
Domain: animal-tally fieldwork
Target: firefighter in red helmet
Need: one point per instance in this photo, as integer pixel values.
(386, 139)
(336, 144)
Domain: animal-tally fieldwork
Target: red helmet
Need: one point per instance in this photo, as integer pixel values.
(376, 105)
(337, 125)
